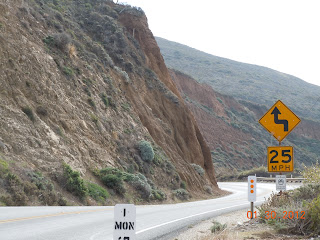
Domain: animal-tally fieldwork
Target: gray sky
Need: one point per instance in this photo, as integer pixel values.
(280, 34)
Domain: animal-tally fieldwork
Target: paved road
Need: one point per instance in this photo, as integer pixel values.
(96, 223)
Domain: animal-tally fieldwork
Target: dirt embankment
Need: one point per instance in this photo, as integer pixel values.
(84, 84)
(182, 141)
(209, 108)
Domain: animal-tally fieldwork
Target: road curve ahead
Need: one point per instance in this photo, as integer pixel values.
(96, 223)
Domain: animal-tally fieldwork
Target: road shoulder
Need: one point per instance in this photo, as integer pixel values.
(238, 227)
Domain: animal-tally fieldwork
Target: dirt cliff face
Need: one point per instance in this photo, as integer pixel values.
(183, 141)
(83, 84)
(209, 107)
(215, 129)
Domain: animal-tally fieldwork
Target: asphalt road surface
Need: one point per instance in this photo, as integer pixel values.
(97, 223)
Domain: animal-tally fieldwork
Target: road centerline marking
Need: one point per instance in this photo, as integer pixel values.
(51, 215)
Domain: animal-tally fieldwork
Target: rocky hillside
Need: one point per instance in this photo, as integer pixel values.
(231, 128)
(244, 81)
(89, 113)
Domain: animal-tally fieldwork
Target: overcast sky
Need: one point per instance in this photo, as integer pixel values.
(280, 34)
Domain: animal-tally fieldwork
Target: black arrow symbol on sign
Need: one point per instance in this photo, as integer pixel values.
(276, 112)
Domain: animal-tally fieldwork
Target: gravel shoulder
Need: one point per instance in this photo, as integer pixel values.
(238, 227)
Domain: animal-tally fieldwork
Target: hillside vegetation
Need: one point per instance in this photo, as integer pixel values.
(88, 111)
(236, 139)
(244, 81)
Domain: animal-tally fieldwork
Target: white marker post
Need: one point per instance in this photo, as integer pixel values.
(124, 222)
(252, 189)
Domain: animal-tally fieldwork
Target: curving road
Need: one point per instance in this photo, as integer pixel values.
(96, 223)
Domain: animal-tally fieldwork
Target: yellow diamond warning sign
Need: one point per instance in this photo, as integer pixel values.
(279, 120)
(280, 159)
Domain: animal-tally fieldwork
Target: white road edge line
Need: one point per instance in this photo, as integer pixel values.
(94, 235)
(177, 220)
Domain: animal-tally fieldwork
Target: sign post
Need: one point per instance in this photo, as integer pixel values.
(252, 189)
(124, 222)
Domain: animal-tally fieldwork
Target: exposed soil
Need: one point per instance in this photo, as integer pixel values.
(90, 101)
(238, 228)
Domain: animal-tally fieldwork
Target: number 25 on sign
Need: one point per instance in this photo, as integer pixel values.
(280, 159)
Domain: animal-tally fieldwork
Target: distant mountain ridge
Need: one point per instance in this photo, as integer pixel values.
(243, 81)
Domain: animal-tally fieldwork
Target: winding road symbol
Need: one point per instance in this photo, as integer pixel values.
(285, 123)
(279, 120)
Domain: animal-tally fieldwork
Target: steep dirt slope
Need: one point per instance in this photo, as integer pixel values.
(83, 84)
(184, 142)
(231, 128)
(216, 129)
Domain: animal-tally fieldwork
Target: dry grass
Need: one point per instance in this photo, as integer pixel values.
(72, 51)
(226, 234)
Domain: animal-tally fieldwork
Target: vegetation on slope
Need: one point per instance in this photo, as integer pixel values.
(243, 81)
(77, 80)
(299, 209)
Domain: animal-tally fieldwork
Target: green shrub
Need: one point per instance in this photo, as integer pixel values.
(314, 216)
(49, 40)
(125, 106)
(91, 103)
(87, 91)
(104, 99)
(219, 99)
(181, 194)
(94, 118)
(74, 183)
(97, 192)
(297, 200)
(40, 181)
(28, 111)
(113, 178)
(208, 189)
(61, 40)
(312, 173)
(158, 195)
(307, 192)
(183, 185)
(217, 227)
(88, 6)
(128, 177)
(198, 169)
(114, 182)
(140, 182)
(67, 71)
(16, 188)
(4, 168)
(146, 151)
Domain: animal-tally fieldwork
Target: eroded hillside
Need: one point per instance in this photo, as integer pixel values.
(88, 111)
